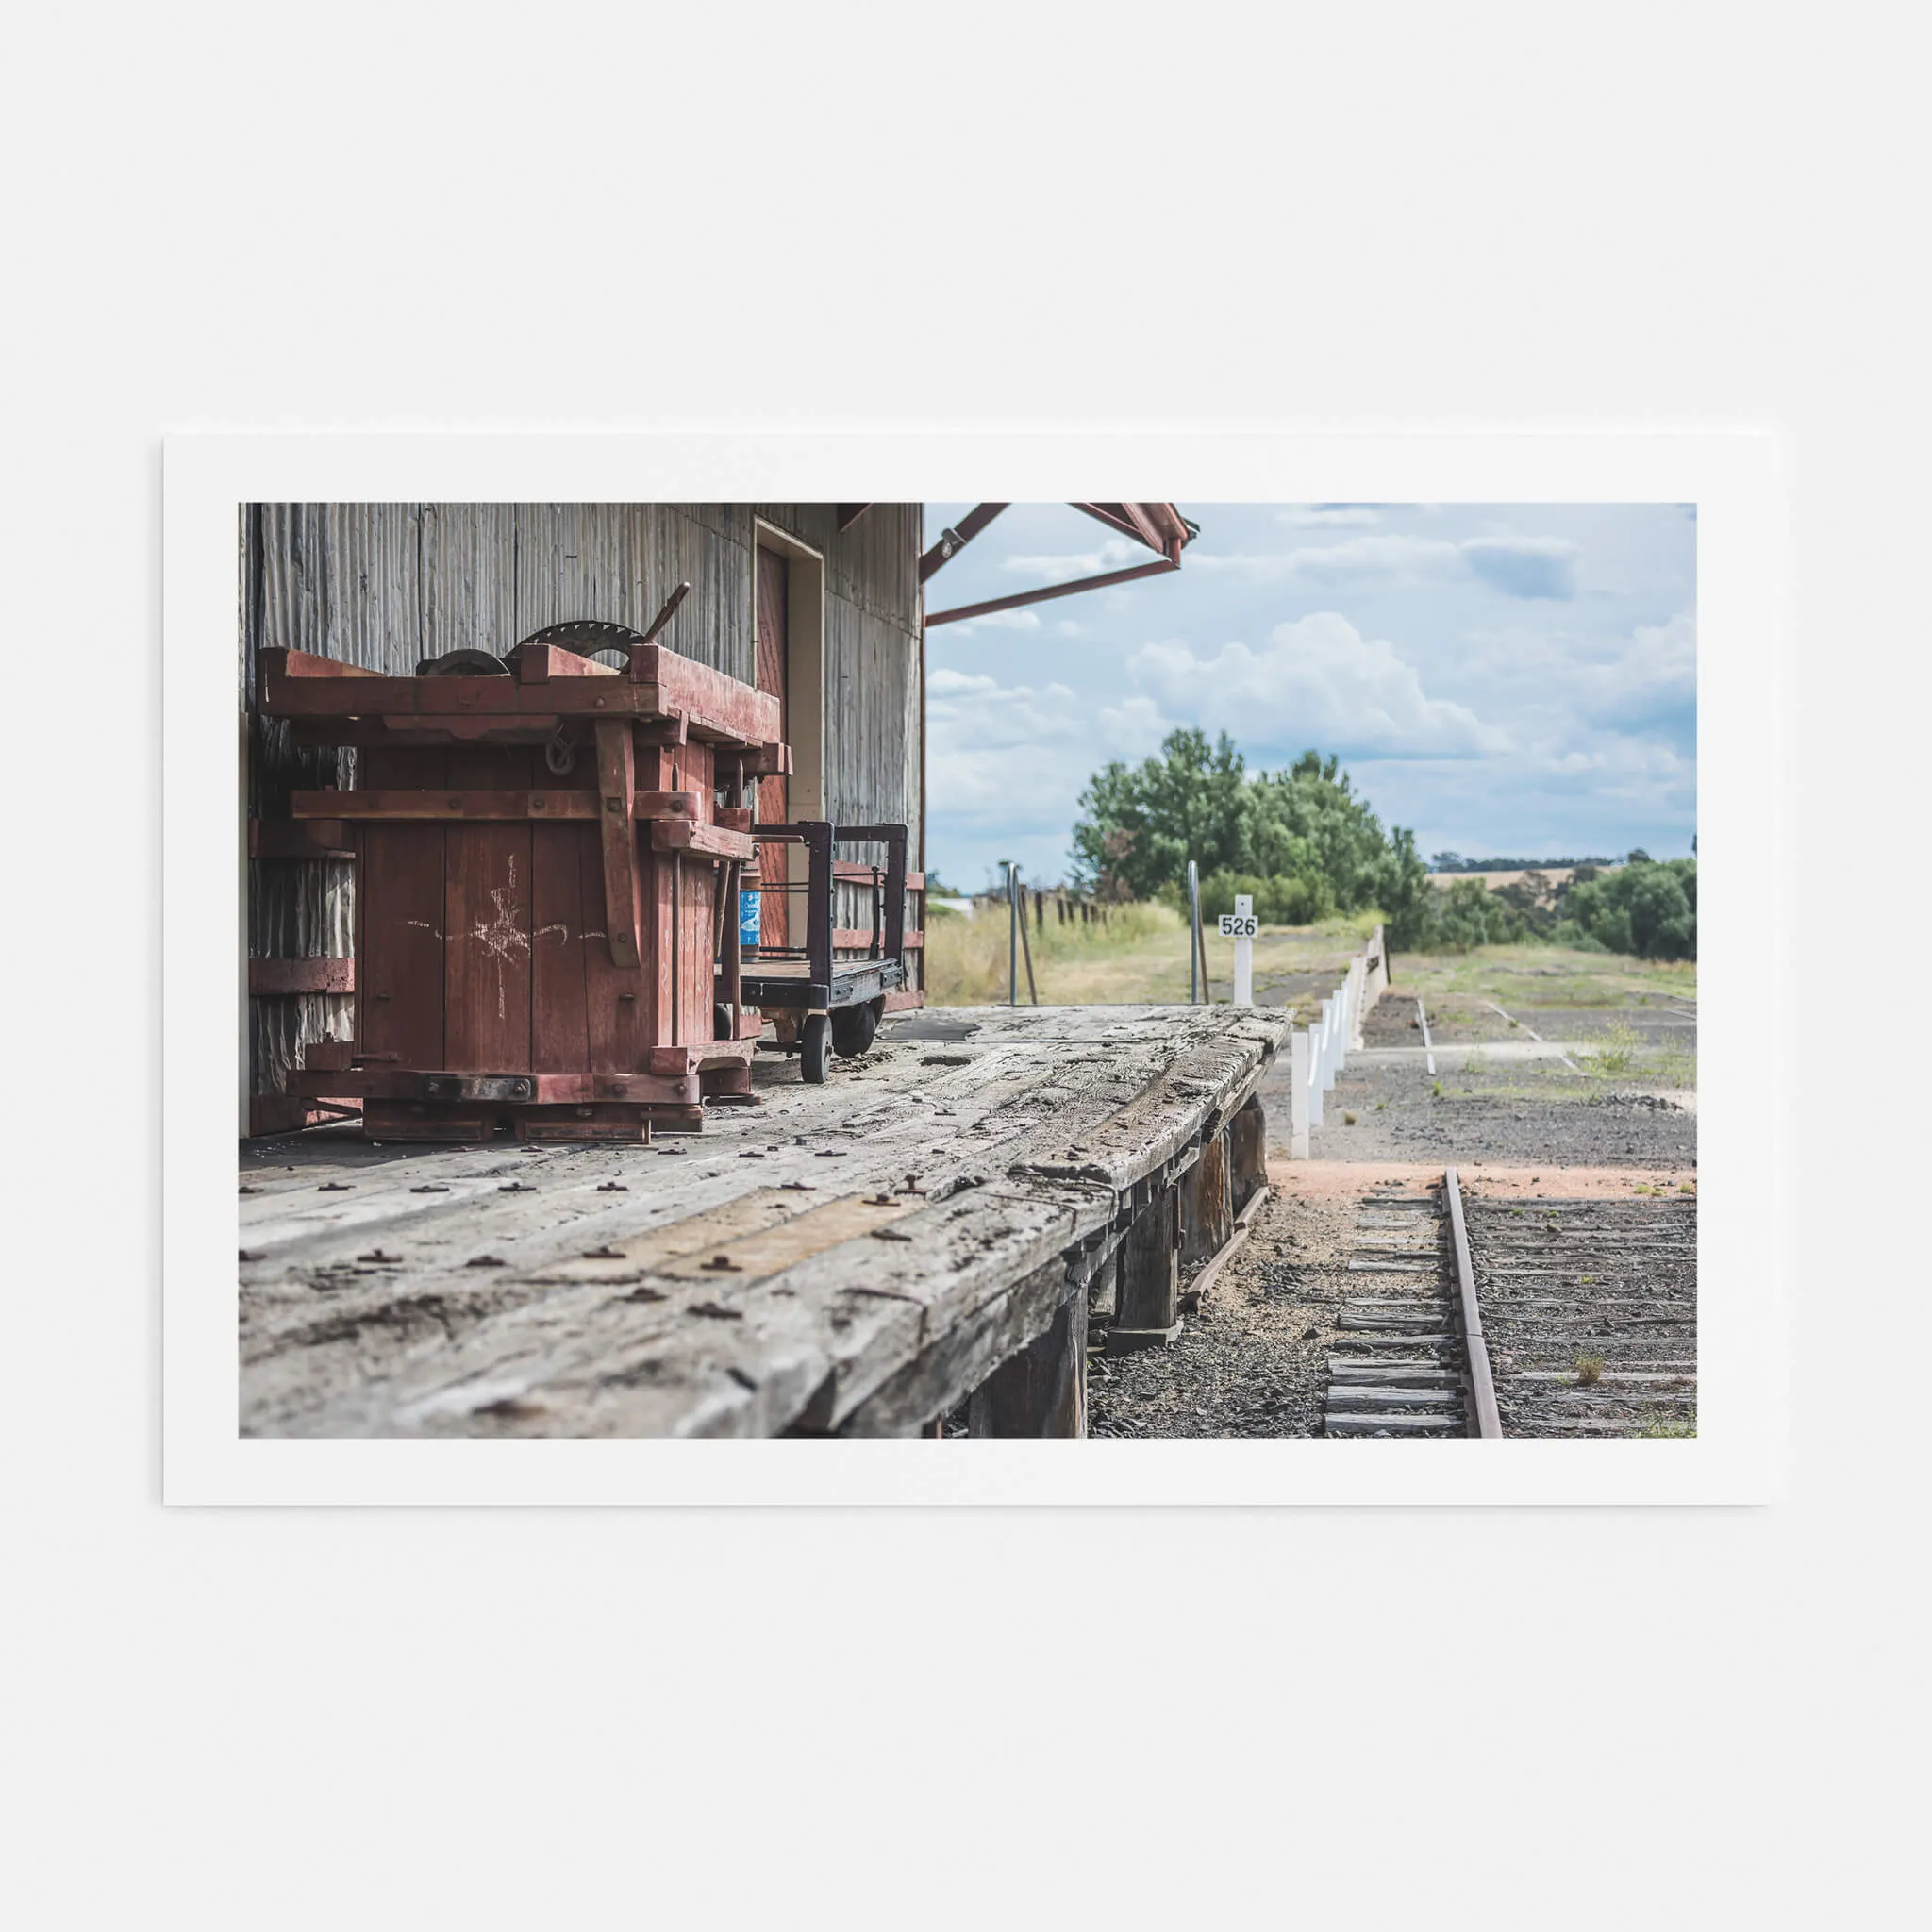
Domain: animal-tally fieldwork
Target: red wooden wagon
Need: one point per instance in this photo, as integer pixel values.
(542, 879)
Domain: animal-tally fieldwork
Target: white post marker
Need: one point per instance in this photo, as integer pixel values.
(1240, 927)
(1298, 1086)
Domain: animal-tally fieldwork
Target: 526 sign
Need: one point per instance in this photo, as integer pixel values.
(1240, 924)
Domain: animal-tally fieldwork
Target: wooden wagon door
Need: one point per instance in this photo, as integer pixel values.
(773, 664)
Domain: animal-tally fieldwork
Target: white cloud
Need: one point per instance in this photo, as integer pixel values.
(943, 681)
(993, 620)
(1647, 677)
(1304, 516)
(1011, 755)
(1316, 681)
(1114, 553)
(1517, 566)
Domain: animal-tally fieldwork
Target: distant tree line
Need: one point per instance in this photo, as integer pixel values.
(1305, 845)
(1454, 861)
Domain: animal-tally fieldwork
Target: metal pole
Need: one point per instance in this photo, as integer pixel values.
(1027, 945)
(1193, 933)
(1013, 938)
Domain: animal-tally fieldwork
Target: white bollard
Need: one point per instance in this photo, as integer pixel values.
(1243, 950)
(1298, 1101)
(1314, 1076)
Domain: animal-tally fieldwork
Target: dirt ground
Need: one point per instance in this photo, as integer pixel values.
(1517, 1119)
(1253, 1360)
(1498, 1093)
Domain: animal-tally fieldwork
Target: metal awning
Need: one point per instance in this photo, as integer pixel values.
(1159, 525)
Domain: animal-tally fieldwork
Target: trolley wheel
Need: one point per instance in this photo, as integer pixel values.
(721, 1022)
(852, 1028)
(815, 1048)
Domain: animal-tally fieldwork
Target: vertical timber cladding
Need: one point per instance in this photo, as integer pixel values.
(873, 697)
(385, 585)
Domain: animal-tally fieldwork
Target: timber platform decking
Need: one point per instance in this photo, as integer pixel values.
(852, 1259)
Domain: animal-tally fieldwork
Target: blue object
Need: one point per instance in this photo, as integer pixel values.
(748, 912)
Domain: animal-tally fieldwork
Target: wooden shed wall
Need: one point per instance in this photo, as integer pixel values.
(384, 585)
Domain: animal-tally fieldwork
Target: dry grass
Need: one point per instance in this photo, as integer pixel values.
(1589, 1368)
(1140, 954)
(1556, 875)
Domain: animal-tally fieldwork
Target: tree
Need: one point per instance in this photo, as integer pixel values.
(1301, 841)
(1402, 893)
(1648, 908)
(1139, 826)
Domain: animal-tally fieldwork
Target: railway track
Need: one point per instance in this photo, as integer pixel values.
(1552, 1318)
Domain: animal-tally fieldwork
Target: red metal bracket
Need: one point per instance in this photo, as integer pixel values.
(1039, 596)
(1159, 525)
(954, 540)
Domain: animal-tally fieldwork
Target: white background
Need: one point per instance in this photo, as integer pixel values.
(579, 216)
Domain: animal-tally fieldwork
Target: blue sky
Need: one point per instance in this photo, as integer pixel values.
(1503, 678)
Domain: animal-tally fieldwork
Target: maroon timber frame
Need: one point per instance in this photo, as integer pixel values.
(541, 868)
(1159, 525)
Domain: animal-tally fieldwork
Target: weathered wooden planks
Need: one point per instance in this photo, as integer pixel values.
(887, 1241)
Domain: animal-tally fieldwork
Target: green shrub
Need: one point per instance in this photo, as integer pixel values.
(1649, 908)
(1282, 901)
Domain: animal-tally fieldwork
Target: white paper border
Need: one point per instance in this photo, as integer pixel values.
(1744, 1025)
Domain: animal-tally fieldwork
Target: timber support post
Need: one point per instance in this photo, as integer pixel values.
(1207, 1202)
(1148, 1295)
(1040, 1391)
(1248, 1148)
(1103, 1291)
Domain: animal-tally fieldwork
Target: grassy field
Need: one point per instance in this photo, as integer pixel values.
(1547, 976)
(1140, 957)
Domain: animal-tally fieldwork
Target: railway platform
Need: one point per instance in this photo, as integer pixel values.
(922, 1235)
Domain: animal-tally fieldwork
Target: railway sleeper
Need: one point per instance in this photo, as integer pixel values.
(1662, 1371)
(1368, 1422)
(1607, 1428)
(1519, 1358)
(1567, 1325)
(1406, 1374)
(1580, 1394)
(1356, 1400)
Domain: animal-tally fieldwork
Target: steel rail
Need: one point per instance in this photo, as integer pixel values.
(1482, 1386)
